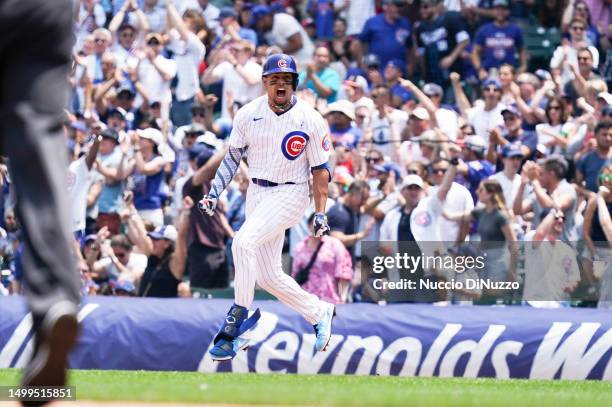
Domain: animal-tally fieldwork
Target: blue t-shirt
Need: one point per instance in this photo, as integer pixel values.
(348, 137)
(589, 165)
(147, 190)
(385, 40)
(477, 171)
(236, 213)
(329, 77)
(499, 44)
(324, 17)
(110, 197)
(529, 138)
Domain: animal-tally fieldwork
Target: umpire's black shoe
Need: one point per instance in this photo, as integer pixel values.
(55, 338)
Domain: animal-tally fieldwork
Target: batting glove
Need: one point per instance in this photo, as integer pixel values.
(320, 225)
(207, 205)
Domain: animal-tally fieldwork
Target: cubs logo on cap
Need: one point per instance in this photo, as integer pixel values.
(326, 144)
(282, 63)
(293, 144)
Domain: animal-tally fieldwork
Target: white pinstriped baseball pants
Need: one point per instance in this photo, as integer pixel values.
(258, 245)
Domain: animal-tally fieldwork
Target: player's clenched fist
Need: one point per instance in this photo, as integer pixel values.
(320, 225)
(207, 205)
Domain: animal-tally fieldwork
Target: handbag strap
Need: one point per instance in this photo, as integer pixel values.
(302, 275)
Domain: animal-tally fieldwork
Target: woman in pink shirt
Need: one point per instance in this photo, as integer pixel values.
(323, 267)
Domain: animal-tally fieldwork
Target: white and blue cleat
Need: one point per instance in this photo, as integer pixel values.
(323, 328)
(227, 350)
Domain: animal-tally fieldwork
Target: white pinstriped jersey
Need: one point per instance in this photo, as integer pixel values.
(281, 148)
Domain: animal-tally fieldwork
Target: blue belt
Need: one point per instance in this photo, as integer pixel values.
(266, 183)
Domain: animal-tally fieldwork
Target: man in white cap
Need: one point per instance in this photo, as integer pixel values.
(340, 116)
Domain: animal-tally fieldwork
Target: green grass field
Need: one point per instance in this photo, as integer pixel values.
(328, 390)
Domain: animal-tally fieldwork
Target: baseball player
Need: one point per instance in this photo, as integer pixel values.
(285, 140)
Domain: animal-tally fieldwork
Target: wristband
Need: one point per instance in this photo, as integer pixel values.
(454, 161)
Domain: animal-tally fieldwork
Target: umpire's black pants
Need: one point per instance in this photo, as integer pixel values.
(35, 47)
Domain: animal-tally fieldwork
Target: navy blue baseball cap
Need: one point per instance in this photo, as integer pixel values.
(204, 156)
(512, 110)
(259, 12)
(491, 82)
(512, 150)
(396, 63)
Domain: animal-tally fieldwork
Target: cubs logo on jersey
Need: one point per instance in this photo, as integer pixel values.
(422, 219)
(326, 144)
(293, 144)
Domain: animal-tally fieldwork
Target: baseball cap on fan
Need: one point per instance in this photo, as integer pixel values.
(167, 232)
(343, 106)
(259, 12)
(420, 113)
(412, 179)
(152, 134)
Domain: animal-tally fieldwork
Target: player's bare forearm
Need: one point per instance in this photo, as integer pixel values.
(320, 181)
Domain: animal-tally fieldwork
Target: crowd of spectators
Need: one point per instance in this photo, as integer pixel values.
(444, 129)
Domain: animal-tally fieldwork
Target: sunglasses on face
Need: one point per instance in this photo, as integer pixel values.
(554, 107)
(373, 159)
(439, 171)
(584, 59)
(605, 177)
(412, 172)
(577, 28)
(197, 114)
(490, 89)
(153, 43)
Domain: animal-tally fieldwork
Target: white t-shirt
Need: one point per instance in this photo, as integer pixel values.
(358, 12)
(79, 180)
(158, 89)
(447, 122)
(381, 129)
(281, 148)
(509, 186)
(234, 82)
(549, 269)
(484, 120)
(188, 55)
(285, 26)
(136, 265)
(458, 200)
(544, 129)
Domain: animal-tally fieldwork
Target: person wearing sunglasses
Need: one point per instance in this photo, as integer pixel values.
(483, 117)
(119, 262)
(155, 72)
(566, 55)
(554, 133)
(238, 71)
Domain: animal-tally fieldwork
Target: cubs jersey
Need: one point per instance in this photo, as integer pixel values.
(281, 147)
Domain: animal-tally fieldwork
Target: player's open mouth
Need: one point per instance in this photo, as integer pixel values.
(280, 93)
